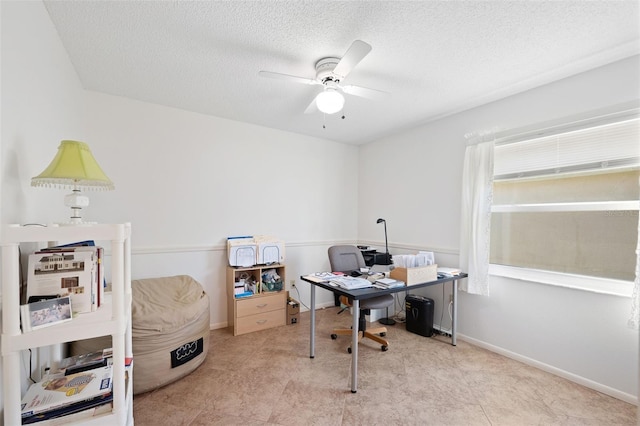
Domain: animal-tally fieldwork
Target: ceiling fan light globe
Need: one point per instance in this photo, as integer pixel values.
(330, 101)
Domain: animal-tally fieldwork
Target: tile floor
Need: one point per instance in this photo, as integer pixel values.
(267, 378)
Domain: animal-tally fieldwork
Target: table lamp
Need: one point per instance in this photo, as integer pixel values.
(387, 261)
(74, 167)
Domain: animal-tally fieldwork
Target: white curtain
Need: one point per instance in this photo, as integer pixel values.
(634, 321)
(477, 196)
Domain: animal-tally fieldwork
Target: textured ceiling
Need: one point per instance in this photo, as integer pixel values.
(433, 57)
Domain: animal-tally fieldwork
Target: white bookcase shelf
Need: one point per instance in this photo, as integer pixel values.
(113, 318)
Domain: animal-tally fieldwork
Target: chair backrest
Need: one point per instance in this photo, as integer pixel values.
(345, 258)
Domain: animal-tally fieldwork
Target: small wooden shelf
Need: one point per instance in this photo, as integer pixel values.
(265, 309)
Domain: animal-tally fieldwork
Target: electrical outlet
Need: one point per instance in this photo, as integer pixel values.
(293, 283)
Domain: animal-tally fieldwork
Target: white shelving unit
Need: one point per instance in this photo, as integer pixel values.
(113, 318)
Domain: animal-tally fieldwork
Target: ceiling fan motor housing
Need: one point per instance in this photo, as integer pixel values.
(324, 70)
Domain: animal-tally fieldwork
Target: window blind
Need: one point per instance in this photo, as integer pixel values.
(602, 147)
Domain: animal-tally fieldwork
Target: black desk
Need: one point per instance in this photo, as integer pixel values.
(367, 293)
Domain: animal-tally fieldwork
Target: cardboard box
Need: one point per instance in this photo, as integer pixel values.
(293, 311)
(417, 275)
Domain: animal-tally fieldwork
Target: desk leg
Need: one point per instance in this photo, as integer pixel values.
(454, 313)
(354, 345)
(312, 322)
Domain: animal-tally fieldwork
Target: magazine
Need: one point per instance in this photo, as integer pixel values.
(58, 391)
(45, 313)
(76, 411)
(87, 245)
(83, 362)
(101, 281)
(68, 273)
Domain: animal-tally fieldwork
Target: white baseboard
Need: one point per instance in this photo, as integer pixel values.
(626, 397)
(216, 326)
(443, 330)
(319, 306)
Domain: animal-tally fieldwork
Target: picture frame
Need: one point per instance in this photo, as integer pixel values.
(45, 313)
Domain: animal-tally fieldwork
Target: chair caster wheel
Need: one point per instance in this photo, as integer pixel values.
(334, 336)
(383, 334)
(385, 348)
(349, 350)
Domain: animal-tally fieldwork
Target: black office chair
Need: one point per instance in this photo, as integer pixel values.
(346, 258)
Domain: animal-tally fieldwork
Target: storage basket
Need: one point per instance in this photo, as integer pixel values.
(421, 274)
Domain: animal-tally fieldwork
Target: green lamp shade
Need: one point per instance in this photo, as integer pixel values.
(73, 166)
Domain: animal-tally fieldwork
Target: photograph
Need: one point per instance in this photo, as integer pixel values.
(46, 312)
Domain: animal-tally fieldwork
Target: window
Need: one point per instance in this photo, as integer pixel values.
(566, 201)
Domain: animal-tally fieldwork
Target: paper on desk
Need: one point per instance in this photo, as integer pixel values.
(321, 277)
(423, 258)
(351, 283)
(449, 272)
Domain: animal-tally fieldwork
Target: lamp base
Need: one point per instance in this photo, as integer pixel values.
(76, 200)
(387, 320)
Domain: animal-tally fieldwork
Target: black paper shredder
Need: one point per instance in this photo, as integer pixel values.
(419, 310)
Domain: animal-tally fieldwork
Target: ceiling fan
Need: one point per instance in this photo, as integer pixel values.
(330, 73)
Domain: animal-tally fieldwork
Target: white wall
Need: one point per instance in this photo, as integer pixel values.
(187, 181)
(42, 103)
(578, 334)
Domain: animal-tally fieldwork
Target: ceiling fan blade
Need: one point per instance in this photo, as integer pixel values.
(293, 78)
(358, 50)
(364, 92)
(312, 107)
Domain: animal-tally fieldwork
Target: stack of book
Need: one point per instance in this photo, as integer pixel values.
(79, 386)
(74, 271)
(350, 283)
(448, 272)
(388, 283)
(88, 361)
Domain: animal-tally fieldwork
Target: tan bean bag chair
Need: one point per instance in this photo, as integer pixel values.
(169, 329)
